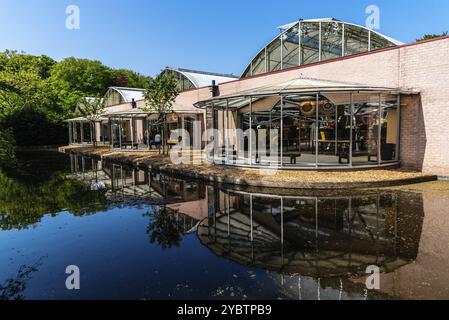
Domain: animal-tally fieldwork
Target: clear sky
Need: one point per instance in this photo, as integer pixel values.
(221, 36)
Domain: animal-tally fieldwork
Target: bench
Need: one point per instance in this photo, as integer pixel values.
(133, 145)
(345, 155)
(226, 152)
(294, 155)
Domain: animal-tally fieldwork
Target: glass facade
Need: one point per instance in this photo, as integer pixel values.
(321, 130)
(313, 41)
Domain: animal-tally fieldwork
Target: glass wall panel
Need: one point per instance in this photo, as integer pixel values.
(310, 42)
(113, 98)
(331, 40)
(390, 130)
(291, 141)
(247, 72)
(274, 55)
(299, 130)
(378, 42)
(334, 138)
(183, 83)
(366, 129)
(356, 40)
(259, 64)
(290, 49)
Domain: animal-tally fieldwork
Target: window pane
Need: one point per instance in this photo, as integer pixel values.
(378, 42)
(299, 130)
(290, 49)
(310, 40)
(274, 55)
(366, 129)
(331, 40)
(356, 40)
(389, 134)
(247, 72)
(334, 130)
(259, 64)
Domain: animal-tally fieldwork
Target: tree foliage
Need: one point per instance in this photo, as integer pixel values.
(160, 95)
(46, 93)
(432, 36)
(7, 147)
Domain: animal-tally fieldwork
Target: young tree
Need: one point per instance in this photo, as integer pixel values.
(160, 94)
(92, 109)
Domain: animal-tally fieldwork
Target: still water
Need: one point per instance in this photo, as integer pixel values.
(138, 234)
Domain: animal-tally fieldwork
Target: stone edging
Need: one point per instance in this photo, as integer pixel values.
(214, 178)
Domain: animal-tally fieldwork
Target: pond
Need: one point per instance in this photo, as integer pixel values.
(139, 234)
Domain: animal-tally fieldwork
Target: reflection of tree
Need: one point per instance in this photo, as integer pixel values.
(13, 288)
(23, 204)
(164, 228)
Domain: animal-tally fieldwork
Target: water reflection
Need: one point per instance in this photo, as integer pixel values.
(314, 245)
(313, 236)
(13, 288)
(33, 190)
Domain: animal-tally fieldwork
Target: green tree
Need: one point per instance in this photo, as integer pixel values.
(38, 93)
(72, 79)
(127, 78)
(432, 36)
(160, 95)
(22, 81)
(7, 148)
(92, 108)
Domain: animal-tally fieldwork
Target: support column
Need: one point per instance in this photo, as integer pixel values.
(282, 132)
(82, 132)
(379, 132)
(250, 140)
(111, 132)
(132, 132)
(75, 134)
(317, 129)
(70, 133)
(351, 134)
(120, 132)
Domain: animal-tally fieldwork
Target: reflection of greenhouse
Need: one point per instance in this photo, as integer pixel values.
(140, 186)
(312, 236)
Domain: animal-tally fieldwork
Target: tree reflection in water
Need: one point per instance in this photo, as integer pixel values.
(23, 204)
(164, 228)
(13, 288)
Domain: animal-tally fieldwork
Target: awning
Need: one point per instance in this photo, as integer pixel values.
(131, 113)
(83, 119)
(304, 86)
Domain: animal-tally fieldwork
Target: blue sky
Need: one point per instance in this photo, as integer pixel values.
(220, 36)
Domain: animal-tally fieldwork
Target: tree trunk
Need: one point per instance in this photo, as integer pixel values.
(94, 134)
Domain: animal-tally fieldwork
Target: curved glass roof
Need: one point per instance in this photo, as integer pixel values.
(119, 95)
(191, 79)
(310, 41)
